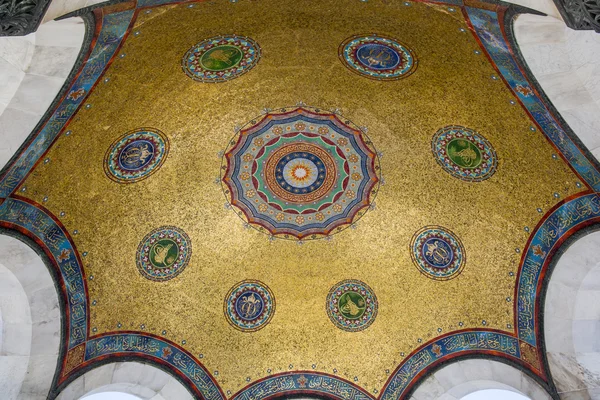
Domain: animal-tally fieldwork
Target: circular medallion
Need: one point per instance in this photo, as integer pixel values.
(300, 173)
(249, 306)
(220, 58)
(437, 253)
(351, 305)
(464, 153)
(378, 57)
(163, 253)
(136, 155)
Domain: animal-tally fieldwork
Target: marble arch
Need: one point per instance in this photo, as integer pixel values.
(139, 379)
(458, 379)
(31, 321)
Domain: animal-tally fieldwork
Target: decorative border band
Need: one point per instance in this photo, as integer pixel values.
(113, 30)
(442, 348)
(302, 382)
(488, 29)
(159, 350)
(552, 231)
(38, 224)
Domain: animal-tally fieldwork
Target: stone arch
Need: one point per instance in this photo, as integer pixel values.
(31, 323)
(572, 318)
(458, 379)
(136, 378)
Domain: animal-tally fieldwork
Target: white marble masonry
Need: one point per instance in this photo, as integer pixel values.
(31, 323)
(572, 320)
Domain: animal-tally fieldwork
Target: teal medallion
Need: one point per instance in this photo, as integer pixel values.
(464, 153)
(163, 253)
(220, 58)
(352, 305)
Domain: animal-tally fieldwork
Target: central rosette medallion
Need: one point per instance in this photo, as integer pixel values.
(300, 173)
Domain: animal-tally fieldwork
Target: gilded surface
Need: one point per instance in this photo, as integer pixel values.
(299, 42)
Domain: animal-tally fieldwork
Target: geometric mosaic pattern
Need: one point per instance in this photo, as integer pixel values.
(300, 173)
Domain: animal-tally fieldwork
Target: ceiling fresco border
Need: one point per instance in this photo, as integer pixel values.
(108, 26)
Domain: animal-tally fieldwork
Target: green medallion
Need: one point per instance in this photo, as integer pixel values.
(352, 305)
(220, 58)
(463, 153)
(164, 253)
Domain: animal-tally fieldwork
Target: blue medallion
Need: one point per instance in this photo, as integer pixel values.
(136, 155)
(377, 56)
(249, 306)
(300, 173)
(437, 253)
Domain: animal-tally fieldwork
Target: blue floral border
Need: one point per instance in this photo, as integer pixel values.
(161, 351)
(41, 226)
(114, 28)
(436, 351)
(563, 219)
(487, 27)
(302, 382)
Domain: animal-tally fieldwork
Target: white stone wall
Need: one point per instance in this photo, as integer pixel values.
(62, 7)
(31, 323)
(572, 320)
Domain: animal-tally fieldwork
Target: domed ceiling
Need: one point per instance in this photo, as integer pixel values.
(318, 197)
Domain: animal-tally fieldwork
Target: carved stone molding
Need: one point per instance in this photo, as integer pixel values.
(20, 17)
(580, 14)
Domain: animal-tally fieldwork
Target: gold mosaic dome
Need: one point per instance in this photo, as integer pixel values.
(320, 197)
